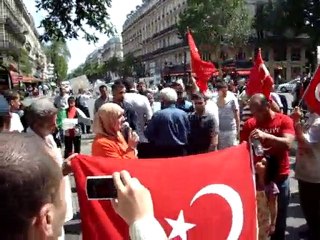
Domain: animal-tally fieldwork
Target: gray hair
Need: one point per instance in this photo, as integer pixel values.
(168, 95)
(40, 109)
(29, 178)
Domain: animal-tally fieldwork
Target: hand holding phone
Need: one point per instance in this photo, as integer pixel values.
(133, 139)
(134, 201)
(101, 188)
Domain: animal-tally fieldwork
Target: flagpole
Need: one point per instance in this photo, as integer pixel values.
(304, 93)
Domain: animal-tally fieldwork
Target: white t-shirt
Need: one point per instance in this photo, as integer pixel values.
(308, 157)
(213, 110)
(141, 105)
(15, 123)
(61, 102)
(275, 97)
(50, 143)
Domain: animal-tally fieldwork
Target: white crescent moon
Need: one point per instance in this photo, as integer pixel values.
(317, 92)
(233, 199)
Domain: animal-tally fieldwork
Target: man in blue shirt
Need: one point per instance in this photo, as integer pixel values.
(182, 103)
(169, 128)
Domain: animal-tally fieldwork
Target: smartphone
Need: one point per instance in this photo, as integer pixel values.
(101, 188)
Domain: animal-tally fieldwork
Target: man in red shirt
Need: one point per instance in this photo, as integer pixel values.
(276, 132)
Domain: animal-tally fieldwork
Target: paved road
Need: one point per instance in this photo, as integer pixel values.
(295, 219)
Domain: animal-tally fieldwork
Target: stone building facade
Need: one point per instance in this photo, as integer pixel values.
(150, 34)
(17, 31)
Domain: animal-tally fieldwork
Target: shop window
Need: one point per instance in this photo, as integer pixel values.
(295, 72)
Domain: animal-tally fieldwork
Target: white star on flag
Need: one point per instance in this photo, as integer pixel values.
(179, 227)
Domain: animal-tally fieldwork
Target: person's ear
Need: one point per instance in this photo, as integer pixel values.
(44, 220)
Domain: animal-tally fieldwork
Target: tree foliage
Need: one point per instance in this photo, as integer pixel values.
(66, 19)
(289, 18)
(216, 22)
(58, 53)
(25, 64)
(128, 67)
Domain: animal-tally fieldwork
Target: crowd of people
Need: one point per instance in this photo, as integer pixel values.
(133, 122)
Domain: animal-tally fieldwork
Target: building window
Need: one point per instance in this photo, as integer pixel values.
(280, 54)
(295, 54)
(295, 72)
(265, 54)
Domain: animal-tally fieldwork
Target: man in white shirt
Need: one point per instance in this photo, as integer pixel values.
(42, 116)
(82, 103)
(40, 215)
(13, 99)
(61, 101)
(141, 105)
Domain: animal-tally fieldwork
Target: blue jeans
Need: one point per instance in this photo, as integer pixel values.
(283, 203)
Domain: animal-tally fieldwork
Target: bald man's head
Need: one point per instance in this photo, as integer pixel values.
(259, 106)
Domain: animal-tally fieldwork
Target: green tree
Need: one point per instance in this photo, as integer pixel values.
(25, 64)
(66, 19)
(113, 65)
(58, 53)
(127, 66)
(213, 21)
(61, 67)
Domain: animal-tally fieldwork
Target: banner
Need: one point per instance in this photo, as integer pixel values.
(214, 193)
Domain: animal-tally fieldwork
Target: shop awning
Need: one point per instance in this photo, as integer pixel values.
(28, 79)
(15, 77)
(243, 72)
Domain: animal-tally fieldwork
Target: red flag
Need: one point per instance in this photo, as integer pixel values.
(203, 70)
(213, 191)
(260, 80)
(312, 94)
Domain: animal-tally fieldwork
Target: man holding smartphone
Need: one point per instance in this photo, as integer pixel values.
(41, 215)
(134, 205)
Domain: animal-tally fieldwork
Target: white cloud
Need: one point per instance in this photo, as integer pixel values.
(80, 49)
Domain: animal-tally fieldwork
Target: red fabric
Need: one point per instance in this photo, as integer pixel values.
(72, 112)
(203, 70)
(312, 95)
(279, 125)
(173, 184)
(260, 80)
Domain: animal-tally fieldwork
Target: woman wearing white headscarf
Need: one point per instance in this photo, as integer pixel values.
(109, 141)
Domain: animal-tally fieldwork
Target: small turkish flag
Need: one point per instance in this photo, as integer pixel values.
(203, 70)
(312, 94)
(209, 196)
(260, 80)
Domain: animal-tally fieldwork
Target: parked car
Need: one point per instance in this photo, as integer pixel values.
(289, 86)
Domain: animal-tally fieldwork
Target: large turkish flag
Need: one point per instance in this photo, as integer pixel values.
(213, 194)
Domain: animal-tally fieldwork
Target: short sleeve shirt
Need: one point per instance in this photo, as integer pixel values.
(278, 126)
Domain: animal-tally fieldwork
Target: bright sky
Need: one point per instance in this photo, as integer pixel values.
(80, 49)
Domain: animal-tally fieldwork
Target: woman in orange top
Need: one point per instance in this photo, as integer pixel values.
(109, 141)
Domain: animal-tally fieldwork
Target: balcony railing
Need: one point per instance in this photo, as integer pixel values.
(8, 46)
(163, 50)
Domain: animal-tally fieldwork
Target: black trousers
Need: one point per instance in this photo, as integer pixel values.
(85, 128)
(70, 144)
(310, 204)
